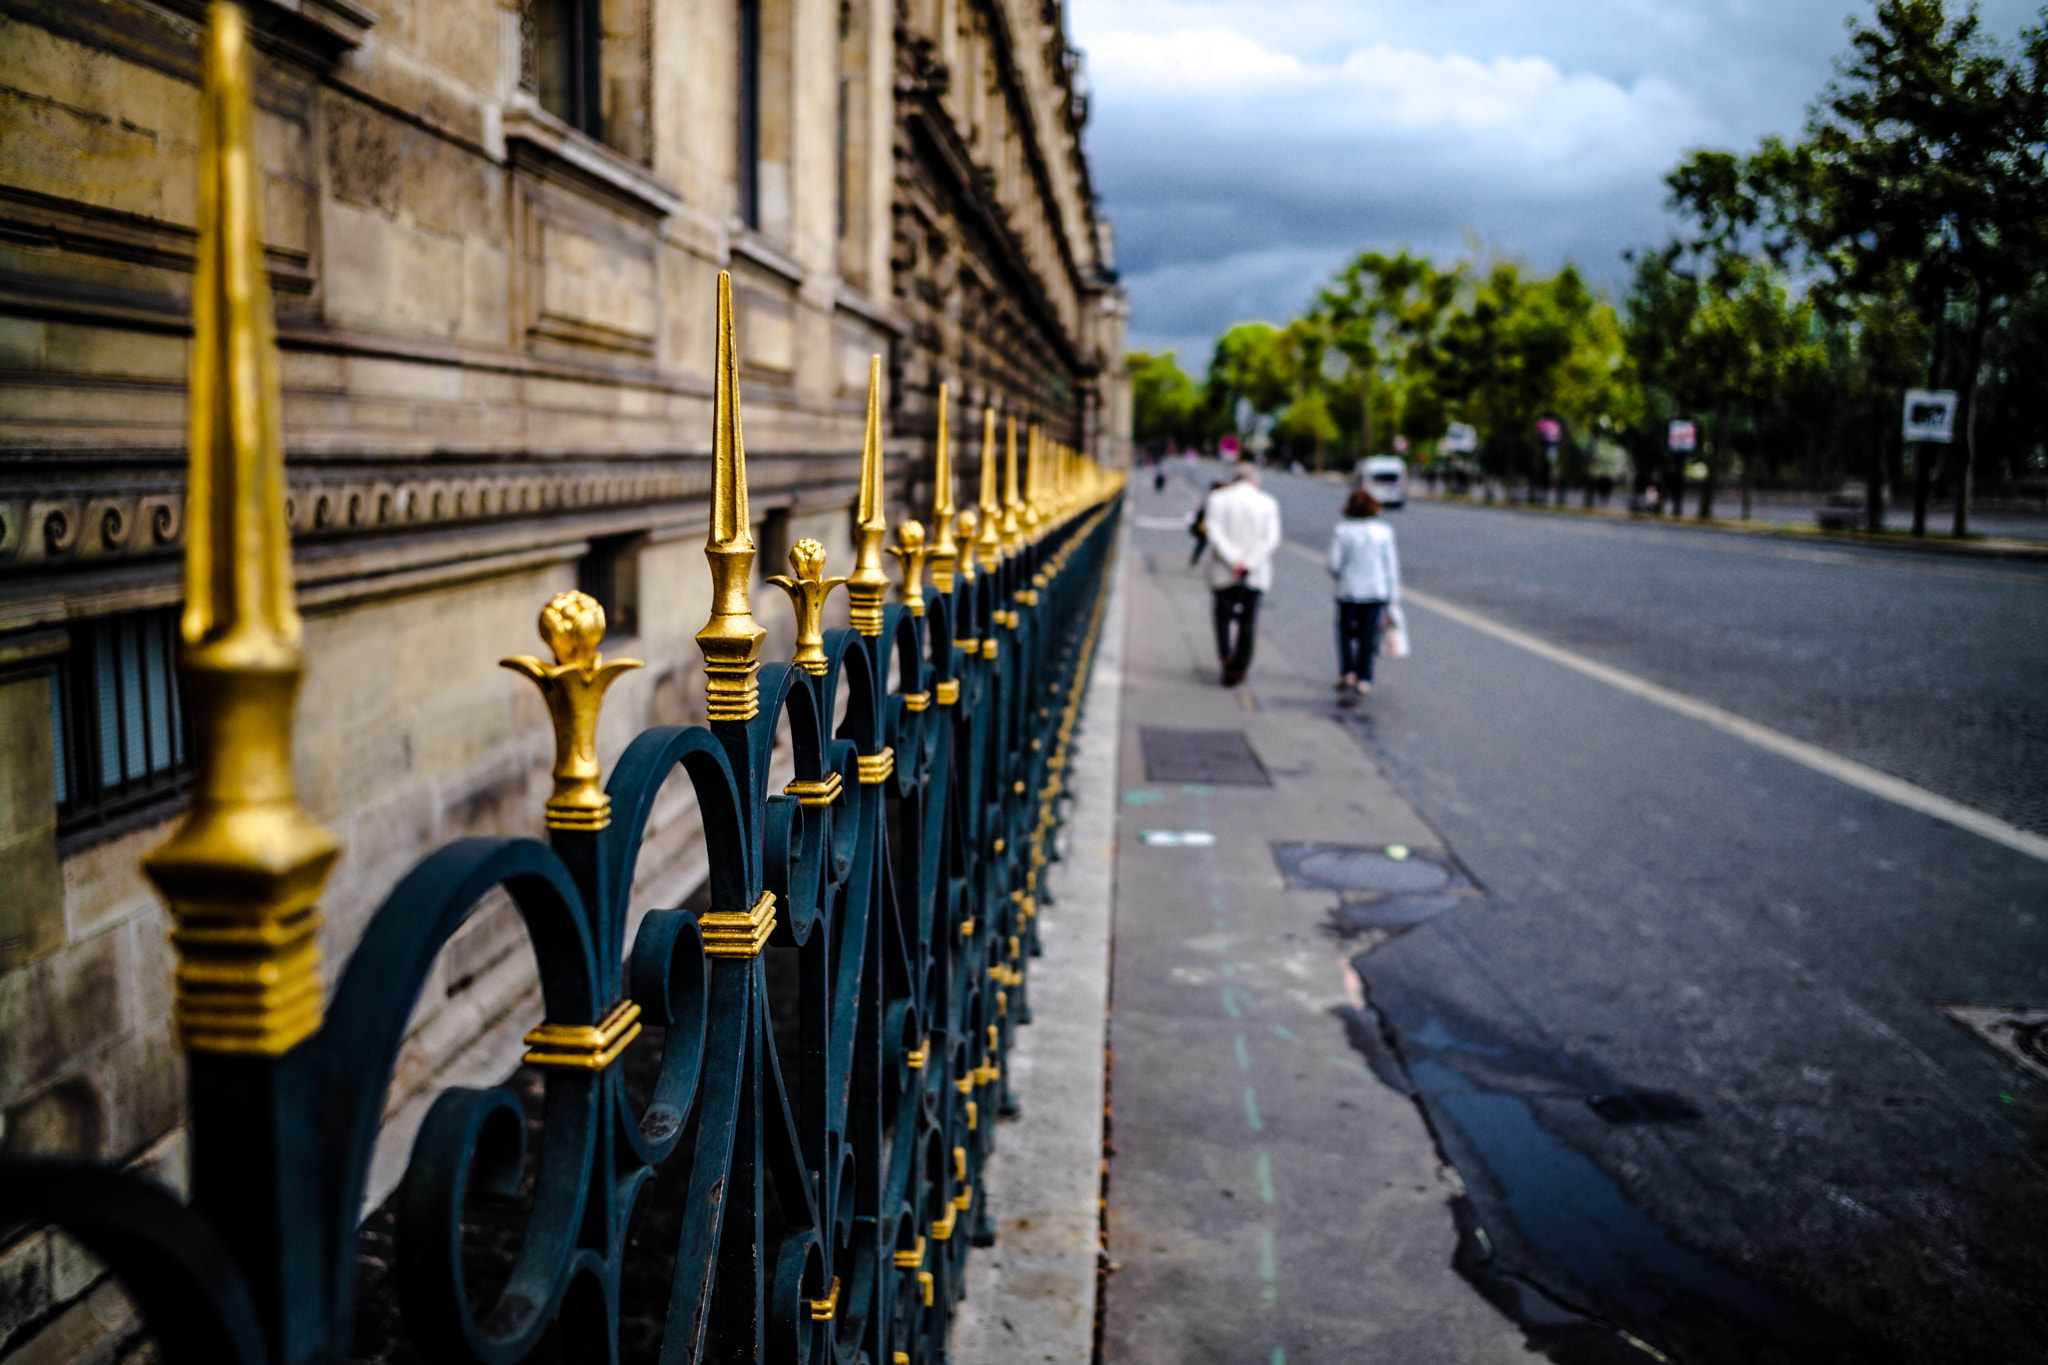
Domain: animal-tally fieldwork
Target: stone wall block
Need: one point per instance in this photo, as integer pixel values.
(25, 1284)
(142, 1080)
(31, 884)
(103, 883)
(55, 1012)
(356, 245)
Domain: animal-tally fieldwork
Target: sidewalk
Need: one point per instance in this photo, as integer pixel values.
(1269, 1200)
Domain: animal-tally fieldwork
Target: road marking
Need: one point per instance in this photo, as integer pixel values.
(1244, 1059)
(1866, 779)
(1251, 1111)
(1269, 1268)
(1265, 1179)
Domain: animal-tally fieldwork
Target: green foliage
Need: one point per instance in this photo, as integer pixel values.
(1902, 241)
(1166, 405)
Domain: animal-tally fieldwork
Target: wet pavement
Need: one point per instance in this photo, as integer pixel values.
(1691, 1039)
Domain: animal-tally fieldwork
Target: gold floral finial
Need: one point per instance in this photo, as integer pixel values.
(244, 872)
(968, 520)
(1012, 529)
(988, 545)
(807, 593)
(731, 639)
(911, 554)
(945, 551)
(573, 686)
(867, 585)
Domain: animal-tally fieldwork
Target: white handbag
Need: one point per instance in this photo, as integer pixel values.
(1394, 639)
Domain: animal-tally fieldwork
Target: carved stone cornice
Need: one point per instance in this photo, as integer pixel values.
(114, 522)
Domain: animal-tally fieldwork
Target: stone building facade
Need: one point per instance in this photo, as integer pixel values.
(493, 229)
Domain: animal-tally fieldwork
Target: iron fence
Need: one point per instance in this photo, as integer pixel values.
(819, 1129)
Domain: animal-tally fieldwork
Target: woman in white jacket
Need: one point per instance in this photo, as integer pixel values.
(1368, 574)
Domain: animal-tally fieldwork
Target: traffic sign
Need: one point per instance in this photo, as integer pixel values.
(1549, 430)
(1461, 438)
(1228, 448)
(1931, 415)
(1682, 435)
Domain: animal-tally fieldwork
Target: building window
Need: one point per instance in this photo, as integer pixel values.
(123, 739)
(749, 148)
(610, 572)
(568, 45)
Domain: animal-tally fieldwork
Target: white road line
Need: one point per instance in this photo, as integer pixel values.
(1896, 790)
(1866, 779)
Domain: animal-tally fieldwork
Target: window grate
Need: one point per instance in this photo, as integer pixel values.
(123, 739)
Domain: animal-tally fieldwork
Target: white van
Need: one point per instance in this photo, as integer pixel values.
(1387, 477)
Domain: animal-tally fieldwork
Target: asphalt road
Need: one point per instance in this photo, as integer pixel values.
(1830, 1169)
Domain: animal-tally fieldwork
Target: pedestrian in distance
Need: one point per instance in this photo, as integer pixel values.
(1199, 528)
(1368, 573)
(1243, 525)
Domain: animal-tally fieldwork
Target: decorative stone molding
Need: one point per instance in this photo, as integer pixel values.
(36, 532)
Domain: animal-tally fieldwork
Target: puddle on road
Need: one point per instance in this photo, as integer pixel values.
(1551, 1239)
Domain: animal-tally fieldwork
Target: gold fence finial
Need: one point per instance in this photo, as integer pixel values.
(867, 585)
(988, 543)
(968, 519)
(1012, 529)
(243, 873)
(1030, 517)
(731, 639)
(945, 553)
(911, 554)
(573, 686)
(807, 593)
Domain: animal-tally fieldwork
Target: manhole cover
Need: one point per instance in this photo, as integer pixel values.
(1222, 758)
(1330, 867)
(2020, 1032)
(1394, 912)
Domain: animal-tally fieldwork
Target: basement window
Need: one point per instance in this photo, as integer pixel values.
(610, 572)
(123, 738)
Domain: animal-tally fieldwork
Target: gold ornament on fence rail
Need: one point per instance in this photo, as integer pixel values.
(731, 639)
(867, 585)
(573, 686)
(244, 872)
(945, 553)
(988, 544)
(910, 553)
(807, 593)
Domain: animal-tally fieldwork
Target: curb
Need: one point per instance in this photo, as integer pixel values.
(1031, 1297)
(2011, 550)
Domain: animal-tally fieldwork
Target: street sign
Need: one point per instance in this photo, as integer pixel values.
(1400, 445)
(1931, 415)
(1461, 438)
(1227, 448)
(1682, 435)
(1549, 430)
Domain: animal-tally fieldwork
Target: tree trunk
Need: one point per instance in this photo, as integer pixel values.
(1920, 470)
(1967, 417)
(1714, 464)
(1749, 461)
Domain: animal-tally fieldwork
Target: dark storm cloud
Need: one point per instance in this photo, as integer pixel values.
(1245, 150)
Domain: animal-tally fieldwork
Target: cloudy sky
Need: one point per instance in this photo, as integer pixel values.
(1246, 148)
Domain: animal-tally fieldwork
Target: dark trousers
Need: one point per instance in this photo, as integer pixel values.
(1358, 637)
(1237, 619)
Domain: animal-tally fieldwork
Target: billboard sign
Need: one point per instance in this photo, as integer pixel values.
(1931, 415)
(1682, 435)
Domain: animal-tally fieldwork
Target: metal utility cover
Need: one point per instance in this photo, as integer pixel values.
(1333, 867)
(1222, 758)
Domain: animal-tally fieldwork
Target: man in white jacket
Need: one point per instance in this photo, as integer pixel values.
(1243, 523)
